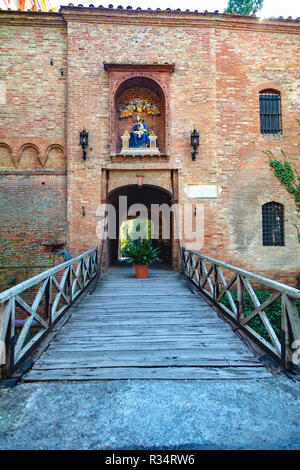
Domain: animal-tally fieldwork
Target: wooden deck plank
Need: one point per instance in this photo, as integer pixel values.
(111, 345)
(59, 356)
(132, 332)
(138, 326)
(113, 337)
(146, 343)
(99, 317)
(133, 362)
(145, 329)
(160, 373)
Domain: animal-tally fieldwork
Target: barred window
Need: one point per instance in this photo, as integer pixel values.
(272, 224)
(270, 113)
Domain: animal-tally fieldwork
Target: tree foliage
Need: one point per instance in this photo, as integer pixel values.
(244, 7)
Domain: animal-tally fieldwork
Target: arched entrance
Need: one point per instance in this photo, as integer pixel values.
(156, 202)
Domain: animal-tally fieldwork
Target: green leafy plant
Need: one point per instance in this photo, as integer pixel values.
(140, 252)
(298, 232)
(290, 178)
(143, 226)
(287, 176)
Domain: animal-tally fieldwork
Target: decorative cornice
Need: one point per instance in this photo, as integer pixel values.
(138, 67)
(167, 18)
(175, 18)
(32, 172)
(32, 18)
(151, 166)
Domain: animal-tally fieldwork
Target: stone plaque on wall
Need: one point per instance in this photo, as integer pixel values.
(201, 191)
(2, 92)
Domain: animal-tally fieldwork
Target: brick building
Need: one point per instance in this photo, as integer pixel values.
(77, 69)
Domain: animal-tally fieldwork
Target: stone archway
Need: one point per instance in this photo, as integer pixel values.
(157, 202)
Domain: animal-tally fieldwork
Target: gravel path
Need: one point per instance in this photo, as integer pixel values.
(261, 414)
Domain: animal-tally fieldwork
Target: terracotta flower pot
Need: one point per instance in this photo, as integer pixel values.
(141, 271)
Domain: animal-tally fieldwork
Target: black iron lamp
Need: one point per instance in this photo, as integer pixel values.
(194, 143)
(84, 142)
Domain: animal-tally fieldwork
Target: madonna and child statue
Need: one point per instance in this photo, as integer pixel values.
(139, 135)
(139, 141)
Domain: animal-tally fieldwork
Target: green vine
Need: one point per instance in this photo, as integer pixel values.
(298, 232)
(288, 176)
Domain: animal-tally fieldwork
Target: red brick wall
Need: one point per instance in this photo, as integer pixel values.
(247, 62)
(35, 90)
(33, 219)
(221, 64)
(33, 197)
(215, 85)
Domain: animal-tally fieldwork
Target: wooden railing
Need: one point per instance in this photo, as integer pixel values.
(236, 292)
(38, 304)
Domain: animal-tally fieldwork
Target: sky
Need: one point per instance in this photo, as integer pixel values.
(274, 8)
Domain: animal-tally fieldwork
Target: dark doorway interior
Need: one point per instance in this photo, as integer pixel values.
(146, 195)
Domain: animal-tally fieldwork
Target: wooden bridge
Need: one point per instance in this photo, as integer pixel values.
(161, 327)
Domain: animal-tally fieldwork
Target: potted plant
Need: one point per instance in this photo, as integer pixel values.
(141, 253)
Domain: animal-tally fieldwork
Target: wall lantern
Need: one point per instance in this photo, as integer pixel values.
(194, 143)
(84, 142)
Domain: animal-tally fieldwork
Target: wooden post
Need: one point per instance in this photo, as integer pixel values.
(47, 301)
(69, 285)
(50, 303)
(240, 299)
(183, 260)
(283, 331)
(8, 355)
(10, 351)
(290, 330)
(200, 272)
(216, 283)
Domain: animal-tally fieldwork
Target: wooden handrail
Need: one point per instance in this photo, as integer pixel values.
(44, 307)
(5, 295)
(206, 275)
(255, 277)
(99, 266)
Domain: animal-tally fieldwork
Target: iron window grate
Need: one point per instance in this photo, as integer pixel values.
(272, 224)
(270, 116)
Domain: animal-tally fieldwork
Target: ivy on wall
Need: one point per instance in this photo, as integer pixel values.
(288, 176)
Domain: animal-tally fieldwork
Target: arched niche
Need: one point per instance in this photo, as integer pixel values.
(6, 160)
(29, 158)
(55, 158)
(139, 88)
